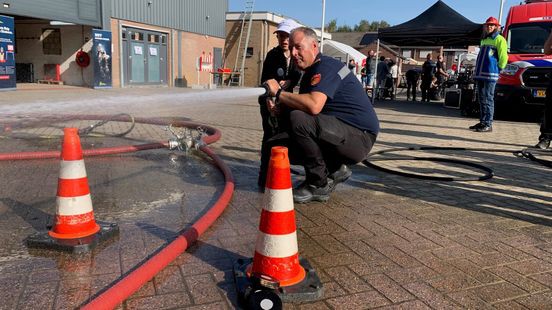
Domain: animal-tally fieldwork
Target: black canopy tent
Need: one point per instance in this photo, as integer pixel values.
(439, 25)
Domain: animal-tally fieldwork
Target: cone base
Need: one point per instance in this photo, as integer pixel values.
(43, 240)
(310, 289)
(300, 276)
(82, 234)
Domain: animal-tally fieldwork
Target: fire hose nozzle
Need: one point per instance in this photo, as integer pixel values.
(267, 89)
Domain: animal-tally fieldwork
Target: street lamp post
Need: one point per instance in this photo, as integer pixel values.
(500, 12)
(322, 30)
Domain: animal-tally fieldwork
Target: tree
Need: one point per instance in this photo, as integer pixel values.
(362, 26)
(344, 28)
(331, 26)
(374, 26)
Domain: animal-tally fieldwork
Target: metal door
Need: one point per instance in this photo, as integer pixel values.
(146, 54)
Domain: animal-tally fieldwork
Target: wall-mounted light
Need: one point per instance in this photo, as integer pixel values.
(207, 17)
(150, 3)
(6, 5)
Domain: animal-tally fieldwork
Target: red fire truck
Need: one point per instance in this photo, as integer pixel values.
(524, 80)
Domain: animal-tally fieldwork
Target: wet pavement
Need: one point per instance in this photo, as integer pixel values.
(382, 241)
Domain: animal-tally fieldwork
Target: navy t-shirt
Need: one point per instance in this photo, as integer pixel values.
(347, 100)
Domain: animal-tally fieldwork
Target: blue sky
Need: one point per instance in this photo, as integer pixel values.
(350, 12)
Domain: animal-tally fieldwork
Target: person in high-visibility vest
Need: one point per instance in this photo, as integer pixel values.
(492, 58)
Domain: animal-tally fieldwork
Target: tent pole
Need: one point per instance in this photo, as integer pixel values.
(374, 94)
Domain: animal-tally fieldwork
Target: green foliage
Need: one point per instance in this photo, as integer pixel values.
(362, 26)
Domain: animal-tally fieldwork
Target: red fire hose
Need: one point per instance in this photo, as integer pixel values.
(132, 282)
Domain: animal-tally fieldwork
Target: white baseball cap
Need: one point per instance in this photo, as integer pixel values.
(287, 25)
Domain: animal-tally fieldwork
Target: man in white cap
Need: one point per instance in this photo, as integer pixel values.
(278, 66)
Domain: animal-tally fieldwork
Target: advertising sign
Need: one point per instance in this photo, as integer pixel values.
(101, 57)
(7, 53)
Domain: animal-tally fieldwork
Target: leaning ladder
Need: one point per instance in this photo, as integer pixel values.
(247, 16)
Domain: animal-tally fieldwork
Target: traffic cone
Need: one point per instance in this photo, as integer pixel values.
(276, 265)
(74, 213)
(276, 252)
(75, 228)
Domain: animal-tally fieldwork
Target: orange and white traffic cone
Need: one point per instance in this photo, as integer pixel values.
(276, 265)
(74, 213)
(74, 228)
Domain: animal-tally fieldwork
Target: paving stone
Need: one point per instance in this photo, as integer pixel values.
(202, 289)
(388, 288)
(364, 300)
(453, 282)
(469, 300)
(348, 280)
(517, 279)
(532, 266)
(499, 292)
(430, 296)
(538, 301)
(165, 301)
(414, 305)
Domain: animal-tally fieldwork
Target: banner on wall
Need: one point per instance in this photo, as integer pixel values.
(7, 53)
(101, 56)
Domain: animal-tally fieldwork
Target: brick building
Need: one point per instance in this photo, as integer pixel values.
(153, 42)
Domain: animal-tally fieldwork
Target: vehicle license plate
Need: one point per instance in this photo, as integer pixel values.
(539, 93)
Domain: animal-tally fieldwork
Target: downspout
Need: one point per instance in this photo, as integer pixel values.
(264, 43)
(122, 58)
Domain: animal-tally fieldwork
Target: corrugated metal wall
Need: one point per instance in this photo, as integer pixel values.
(85, 12)
(199, 16)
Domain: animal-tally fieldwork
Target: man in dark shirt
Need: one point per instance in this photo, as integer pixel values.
(279, 66)
(370, 67)
(412, 78)
(428, 72)
(332, 121)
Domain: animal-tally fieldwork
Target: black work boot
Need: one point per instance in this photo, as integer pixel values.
(307, 192)
(341, 175)
(543, 144)
(484, 128)
(474, 127)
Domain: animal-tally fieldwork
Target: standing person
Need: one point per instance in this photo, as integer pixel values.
(279, 66)
(412, 78)
(441, 70)
(332, 122)
(428, 73)
(382, 75)
(546, 125)
(370, 68)
(352, 66)
(363, 76)
(492, 58)
(394, 73)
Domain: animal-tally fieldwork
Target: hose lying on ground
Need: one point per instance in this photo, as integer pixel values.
(488, 172)
(130, 283)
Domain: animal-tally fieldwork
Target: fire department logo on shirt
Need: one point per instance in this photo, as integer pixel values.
(316, 79)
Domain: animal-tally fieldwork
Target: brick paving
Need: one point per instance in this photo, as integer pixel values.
(382, 241)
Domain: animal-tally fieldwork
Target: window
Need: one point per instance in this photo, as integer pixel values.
(153, 38)
(407, 53)
(424, 53)
(249, 52)
(51, 41)
(137, 36)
